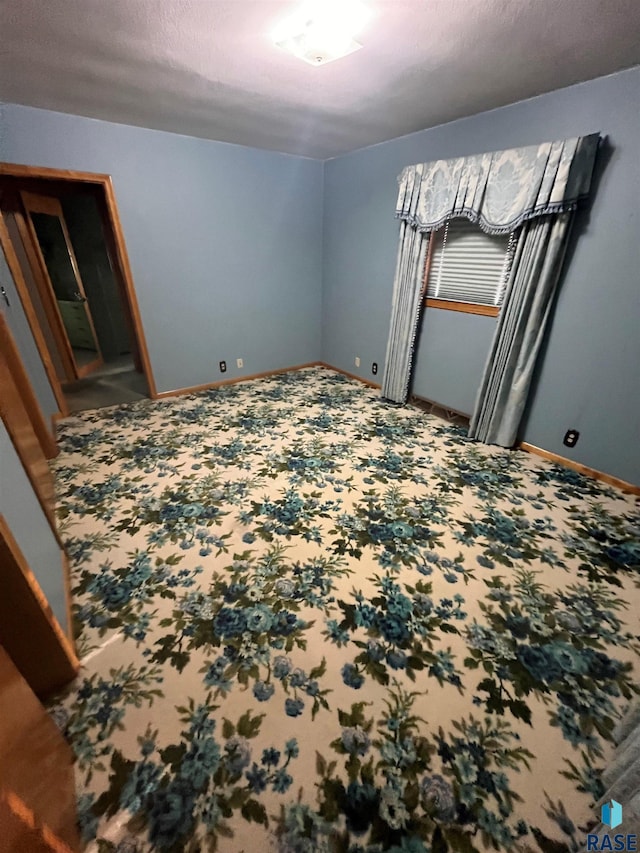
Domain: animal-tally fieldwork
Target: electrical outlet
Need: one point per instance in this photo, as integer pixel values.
(571, 437)
(223, 367)
(357, 361)
(240, 362)
(374, 367)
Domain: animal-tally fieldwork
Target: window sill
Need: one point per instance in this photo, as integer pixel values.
(464, 307)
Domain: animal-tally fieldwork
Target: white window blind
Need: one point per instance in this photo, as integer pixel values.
(468, 265)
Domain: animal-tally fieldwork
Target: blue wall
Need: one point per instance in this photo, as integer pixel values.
(29, 525)
(225, 242)
(589, 376)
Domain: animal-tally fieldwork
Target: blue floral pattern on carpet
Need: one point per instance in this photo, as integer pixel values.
(312, 621)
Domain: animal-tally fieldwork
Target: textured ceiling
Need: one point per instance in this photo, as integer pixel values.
(208, 68)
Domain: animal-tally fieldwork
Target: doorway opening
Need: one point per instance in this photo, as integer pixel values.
(64, 245)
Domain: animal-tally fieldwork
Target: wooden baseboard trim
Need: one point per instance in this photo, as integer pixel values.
(179, 392)
(582, 469)
(350, 375)
(66, 575)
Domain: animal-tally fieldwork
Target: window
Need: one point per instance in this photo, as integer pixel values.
(466, 269)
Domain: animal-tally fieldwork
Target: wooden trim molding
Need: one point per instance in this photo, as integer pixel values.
(464, 307)
(51, 206)
(21, 430)
(19, 170)
(38, 203)
(179, 392)
(364, 381)
(16, 272)
(66, 577)
(582, 469)
(45, 290)
(29, 399)
(211, 385)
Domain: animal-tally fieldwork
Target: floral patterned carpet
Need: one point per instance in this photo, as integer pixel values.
(312, 621)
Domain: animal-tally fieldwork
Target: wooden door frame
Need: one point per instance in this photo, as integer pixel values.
(118, 255)
(10, 352)
(37, 203)
(17, 391)
(43, 286)
(21, 286)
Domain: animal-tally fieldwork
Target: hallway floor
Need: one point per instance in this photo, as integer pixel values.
(114, 383)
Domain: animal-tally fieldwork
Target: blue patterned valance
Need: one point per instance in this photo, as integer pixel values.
(499, 190)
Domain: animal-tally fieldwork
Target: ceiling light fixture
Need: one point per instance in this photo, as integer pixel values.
(322, 31)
